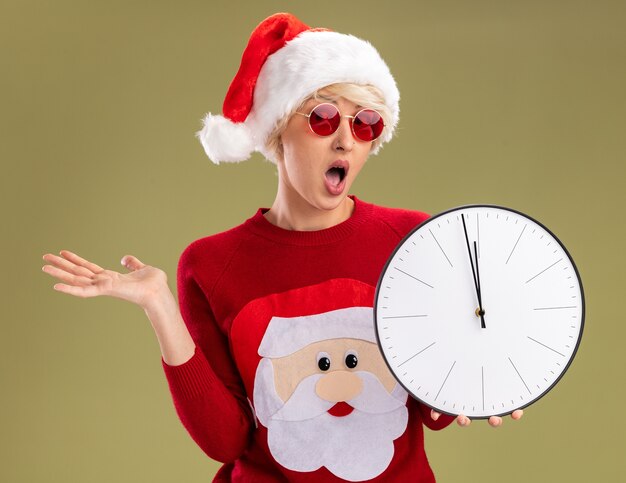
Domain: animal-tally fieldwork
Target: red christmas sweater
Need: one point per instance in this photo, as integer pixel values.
(286, 382)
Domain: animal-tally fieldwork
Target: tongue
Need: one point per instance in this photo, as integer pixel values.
(333, 176)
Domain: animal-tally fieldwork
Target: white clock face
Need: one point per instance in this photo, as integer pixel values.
(428, 313)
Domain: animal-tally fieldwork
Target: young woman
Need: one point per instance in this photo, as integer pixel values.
(272, 359)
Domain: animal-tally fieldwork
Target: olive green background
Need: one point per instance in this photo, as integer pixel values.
(519, 103)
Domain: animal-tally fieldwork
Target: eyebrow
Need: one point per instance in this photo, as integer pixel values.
(334, 101)
(329, 99)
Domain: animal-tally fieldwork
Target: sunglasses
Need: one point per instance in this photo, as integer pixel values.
(324, 119)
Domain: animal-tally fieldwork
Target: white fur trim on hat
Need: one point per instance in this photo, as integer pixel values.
(286, 335)
(224, 140)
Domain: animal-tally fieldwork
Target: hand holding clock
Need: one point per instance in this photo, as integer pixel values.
(494, 421)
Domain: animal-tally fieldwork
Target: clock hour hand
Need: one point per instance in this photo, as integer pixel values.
(479, 312)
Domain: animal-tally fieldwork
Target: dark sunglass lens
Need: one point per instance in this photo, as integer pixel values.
(368, 125)
(324, 119)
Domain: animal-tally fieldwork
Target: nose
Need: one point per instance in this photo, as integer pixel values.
(344, 141)
(339, 386)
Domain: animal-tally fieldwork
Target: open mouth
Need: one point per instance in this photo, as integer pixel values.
(336, 175)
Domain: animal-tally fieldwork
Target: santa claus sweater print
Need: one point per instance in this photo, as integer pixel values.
(287, 382)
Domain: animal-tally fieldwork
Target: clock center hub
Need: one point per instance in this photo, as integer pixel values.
(479, 312)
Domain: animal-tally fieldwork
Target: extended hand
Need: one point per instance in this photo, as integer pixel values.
(86, 279)
(494, 421)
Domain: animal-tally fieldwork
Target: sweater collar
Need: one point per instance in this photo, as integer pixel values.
(259, 225)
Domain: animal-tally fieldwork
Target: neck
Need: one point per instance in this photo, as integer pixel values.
(301, 216)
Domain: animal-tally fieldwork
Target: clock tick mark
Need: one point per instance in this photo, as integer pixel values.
(444, 253)
(557, 308)
(520, 376)
(444, 381)
(482, 374)
(415, 355)
(540, 343)
(414, 278)
(514, 246)
(404, 316)
(545, 269)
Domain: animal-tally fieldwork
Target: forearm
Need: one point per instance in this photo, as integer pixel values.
(176, 344)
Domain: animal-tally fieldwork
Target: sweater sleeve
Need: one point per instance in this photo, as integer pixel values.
(207, 390)
(443, 421)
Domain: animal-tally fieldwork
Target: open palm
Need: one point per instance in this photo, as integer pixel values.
(83, 278)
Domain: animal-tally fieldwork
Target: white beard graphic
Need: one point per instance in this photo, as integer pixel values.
(303, 436)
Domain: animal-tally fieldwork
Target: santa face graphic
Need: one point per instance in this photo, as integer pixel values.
(325, 395)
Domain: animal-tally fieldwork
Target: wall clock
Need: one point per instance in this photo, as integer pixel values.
(479, 311)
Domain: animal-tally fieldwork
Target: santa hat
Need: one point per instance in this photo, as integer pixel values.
(284, 62)
(286, 335)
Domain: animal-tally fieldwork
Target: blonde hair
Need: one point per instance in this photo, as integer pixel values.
(367, 96)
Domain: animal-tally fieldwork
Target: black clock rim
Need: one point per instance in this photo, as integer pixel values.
(430, 220)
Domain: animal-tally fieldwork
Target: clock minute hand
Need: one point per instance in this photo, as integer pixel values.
(480, 311)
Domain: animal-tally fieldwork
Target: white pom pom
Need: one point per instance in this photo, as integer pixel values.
(224, 140)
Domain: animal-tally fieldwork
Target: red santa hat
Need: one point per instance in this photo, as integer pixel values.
(286, 335)
(284, 62)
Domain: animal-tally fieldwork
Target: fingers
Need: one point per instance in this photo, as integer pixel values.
(462, 420)
(517, 414)
(66, 277)
(67, 265)
(132, 263)
(72, 257)
(78, 291)
(434, 415)
(495, 421)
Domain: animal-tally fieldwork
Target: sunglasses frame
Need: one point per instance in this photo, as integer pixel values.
(352, 118)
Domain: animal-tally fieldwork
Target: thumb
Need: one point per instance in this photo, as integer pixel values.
(132, 263)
